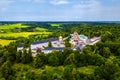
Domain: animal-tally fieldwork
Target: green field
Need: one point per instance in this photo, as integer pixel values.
(5, 42)
(12, 26)
(40, 29)
(55, 25)
(22, 34)
(7, 31)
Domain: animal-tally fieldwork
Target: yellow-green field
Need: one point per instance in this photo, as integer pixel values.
(8, 32)
(5, 42)
(55, 25)
(40, 29)
(12, 26)
(22, 34)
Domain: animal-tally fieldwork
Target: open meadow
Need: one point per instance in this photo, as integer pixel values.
(22, 34)
(19, 30)
(5, 42)
(55, 25)
(12, 26)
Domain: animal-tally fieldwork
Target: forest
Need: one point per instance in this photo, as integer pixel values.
(96, 62)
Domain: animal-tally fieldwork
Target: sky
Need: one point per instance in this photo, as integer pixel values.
(59, 10)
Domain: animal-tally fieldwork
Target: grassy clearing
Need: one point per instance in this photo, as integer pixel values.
(55, 25)
(87, 69)
(40, 29)
(5, 42)
(12, 26)
(23, 34)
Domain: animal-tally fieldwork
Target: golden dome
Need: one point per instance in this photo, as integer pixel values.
(60, 37)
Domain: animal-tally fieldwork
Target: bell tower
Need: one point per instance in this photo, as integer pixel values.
(60, 39)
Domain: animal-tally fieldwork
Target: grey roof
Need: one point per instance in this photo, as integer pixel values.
(20, 45)
(38, 50)
(60, 48)
(76, 41)
(44, 41)
(78, 46)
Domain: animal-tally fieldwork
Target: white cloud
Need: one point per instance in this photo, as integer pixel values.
(87, 4)
(88, 9)
(4, 4)
(53, 2)
(40, 18)
(39, 1)
(26, 0)
(3, 9)
(59, 2)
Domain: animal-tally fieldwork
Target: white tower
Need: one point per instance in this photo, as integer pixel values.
(60, 39)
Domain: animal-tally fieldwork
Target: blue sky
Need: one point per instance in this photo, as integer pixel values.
(59, 10)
